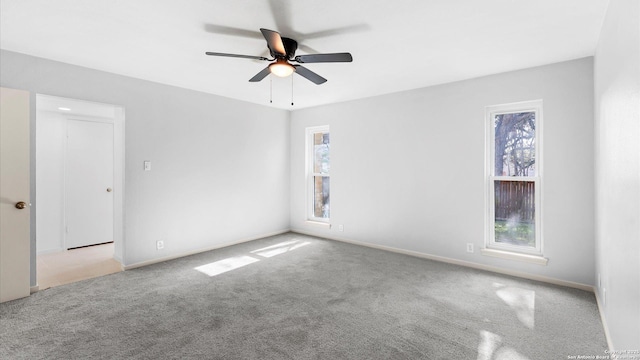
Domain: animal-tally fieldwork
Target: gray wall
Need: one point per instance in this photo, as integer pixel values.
(220, 167)
(617, 113)
(407, 169)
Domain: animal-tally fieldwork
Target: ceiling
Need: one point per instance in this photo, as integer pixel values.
(396, 45)
(74, 107)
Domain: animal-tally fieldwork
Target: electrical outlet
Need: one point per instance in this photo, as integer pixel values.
(469, 247)
(340, 227)
(159, 245)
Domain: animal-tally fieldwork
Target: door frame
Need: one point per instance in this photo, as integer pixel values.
(118, 122)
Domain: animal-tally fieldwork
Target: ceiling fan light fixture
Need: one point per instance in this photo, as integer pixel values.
(281, 69)
(283, 50)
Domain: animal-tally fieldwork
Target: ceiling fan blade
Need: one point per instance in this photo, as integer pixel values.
(336, 31)
(238, 56)
(233, 31)
(274, 41)
(281, 13)
(309, 75)
(324, 58)
(261, 75)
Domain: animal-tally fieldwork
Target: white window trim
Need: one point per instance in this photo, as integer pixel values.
(493, 248)
(310, 174)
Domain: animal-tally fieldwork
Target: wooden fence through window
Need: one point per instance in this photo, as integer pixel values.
(515, 199)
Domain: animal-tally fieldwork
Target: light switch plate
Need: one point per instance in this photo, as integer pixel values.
(147, 165)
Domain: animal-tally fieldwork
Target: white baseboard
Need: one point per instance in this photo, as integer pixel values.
(444, 259)
(119, 260)
(603, 319)
(188, 253)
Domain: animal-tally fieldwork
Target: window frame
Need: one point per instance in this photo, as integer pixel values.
(490, 179)
(310, 174)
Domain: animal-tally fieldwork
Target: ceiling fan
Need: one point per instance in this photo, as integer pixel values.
(283, 51)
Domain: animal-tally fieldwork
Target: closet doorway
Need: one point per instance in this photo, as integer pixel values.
(79, 189)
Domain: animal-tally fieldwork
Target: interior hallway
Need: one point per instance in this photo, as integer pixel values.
(69, 266)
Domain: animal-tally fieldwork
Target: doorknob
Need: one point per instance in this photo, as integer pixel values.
(21, 205)
(109, 190)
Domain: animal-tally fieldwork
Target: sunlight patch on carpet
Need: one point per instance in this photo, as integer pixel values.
(280, 248)
(222, 266)
(490, 348)
(521, 301)
(489, 342)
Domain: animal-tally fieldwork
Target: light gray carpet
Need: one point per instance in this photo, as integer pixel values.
(318, 300)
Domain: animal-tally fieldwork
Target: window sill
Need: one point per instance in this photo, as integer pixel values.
(534, 259)
(318, 224)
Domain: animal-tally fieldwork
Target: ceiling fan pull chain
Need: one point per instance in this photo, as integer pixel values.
(292, 90)
(270, 89)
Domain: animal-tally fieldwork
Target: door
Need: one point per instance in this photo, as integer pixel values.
(14, 195)
(88, 183)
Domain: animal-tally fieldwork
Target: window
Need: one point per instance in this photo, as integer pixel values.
(514, 177)
(318, 164)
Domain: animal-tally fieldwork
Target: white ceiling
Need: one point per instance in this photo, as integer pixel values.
(396, 45)
(74, 107)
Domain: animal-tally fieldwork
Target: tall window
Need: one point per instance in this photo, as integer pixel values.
(318, 163)
(514, 177)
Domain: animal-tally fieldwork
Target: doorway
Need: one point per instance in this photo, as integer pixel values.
(79, 189)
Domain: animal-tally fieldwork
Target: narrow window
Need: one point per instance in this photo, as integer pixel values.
(318, 163)
(514, 177)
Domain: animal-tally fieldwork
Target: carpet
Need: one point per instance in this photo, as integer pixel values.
(293, 296)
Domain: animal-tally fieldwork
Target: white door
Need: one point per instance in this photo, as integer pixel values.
(88, 183)
(14, 195)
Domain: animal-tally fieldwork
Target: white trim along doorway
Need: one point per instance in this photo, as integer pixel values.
(53, 114)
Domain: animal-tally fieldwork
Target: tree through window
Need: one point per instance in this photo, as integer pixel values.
(318, 144)
(514, 177)
(515, 136)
